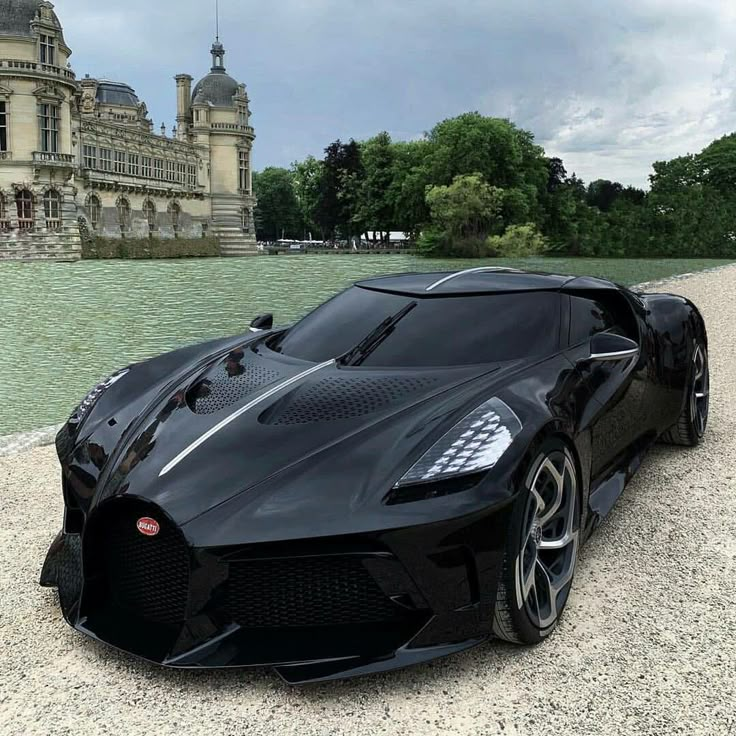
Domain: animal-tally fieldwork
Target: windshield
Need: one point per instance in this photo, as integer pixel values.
(451, 331)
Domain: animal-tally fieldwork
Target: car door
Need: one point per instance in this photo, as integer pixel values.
(618, 386)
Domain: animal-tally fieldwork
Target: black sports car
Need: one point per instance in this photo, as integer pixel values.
(408, 470)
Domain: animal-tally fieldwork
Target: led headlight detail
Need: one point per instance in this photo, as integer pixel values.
(475, 444)
(94, 396)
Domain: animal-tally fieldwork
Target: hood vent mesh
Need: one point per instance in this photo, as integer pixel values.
(229, 384)
(334, 398)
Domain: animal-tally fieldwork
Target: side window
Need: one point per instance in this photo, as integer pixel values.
(588, 318)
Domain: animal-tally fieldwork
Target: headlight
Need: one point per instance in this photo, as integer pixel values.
(94, 396)
(474, 444)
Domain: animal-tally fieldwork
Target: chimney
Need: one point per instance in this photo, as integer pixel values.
(183, 104)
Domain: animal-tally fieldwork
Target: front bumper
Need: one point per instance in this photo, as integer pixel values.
(313, 610)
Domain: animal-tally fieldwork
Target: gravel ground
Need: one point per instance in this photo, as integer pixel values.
(647, 645)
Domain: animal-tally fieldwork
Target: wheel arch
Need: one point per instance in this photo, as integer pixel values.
(579, 450)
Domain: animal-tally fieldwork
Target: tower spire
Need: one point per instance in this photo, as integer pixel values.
(217, 20)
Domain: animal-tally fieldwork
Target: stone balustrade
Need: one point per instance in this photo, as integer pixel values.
(46, 157)
(37, 67)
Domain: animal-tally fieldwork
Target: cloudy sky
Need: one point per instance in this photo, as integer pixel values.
(608, 86)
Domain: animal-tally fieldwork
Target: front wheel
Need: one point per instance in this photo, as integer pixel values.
(542, 549)
(693, 420)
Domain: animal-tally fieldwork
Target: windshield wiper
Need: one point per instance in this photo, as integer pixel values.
(362, 350)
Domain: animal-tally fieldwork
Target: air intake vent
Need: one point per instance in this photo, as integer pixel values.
(229, 384)
(307, 591)
(338, 397)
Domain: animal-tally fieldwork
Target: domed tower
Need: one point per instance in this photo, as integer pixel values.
(216, 117)
(37, 148)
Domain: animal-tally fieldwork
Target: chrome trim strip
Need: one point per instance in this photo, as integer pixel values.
(615, 356)
(482, 269)
(250, 405)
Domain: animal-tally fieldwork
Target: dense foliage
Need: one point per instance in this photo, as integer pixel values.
(480, 186)
(145, 248)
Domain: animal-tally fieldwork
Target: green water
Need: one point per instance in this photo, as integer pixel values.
(65, 326)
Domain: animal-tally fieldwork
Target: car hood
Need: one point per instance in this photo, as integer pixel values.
(248, 419)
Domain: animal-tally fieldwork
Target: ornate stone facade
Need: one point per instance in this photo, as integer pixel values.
(81, 157)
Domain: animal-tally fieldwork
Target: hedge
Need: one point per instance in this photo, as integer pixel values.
(145, 248)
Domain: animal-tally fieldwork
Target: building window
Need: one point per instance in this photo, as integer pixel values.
(243, 171)
(149, 211)
(94, 208)
(146, 168)
(170, 171)
(105, 159)
(90, 157)
(48, 49)
(52, 209)
(4, 222)
(124, 215)
(245, 219)
(133, 164)
(181, 170)
(192, 175)
(24, 206)
(175, 217)
(4, 126)
(243, 116)
(119, 162)
(49, 123)
(158, 168)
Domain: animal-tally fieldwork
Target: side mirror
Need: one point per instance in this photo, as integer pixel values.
(608, 346)
(262, 323)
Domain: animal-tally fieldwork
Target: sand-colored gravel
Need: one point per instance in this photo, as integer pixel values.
(647, 645)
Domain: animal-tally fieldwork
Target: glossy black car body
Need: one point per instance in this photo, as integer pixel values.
(271, 469)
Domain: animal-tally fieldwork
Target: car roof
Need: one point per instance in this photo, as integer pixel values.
(483, 280)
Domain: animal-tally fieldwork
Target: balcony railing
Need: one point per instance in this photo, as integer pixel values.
(57, 159)
(237, 127)
(53, 225)
(37, 67)
(25, 225)
(4, 226)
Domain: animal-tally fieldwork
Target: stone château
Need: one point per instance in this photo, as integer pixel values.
(80, 158)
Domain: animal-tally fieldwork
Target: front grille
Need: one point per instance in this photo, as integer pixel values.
(306, 592)
(146, 576)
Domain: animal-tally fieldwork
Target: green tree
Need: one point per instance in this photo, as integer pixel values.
(473, 143)
(718, 164)
(467, 209)
(277, 213)
(375, 203)
(307, 179)
(519, 241)
(408, 189)
(336, 211)
(675, 175)
(602, 194)
(505, 155)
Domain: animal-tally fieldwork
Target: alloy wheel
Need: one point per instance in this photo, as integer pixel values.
(549, 543)
(700, 394)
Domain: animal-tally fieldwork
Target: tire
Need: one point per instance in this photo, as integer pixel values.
(542, 548)
(693, 420)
